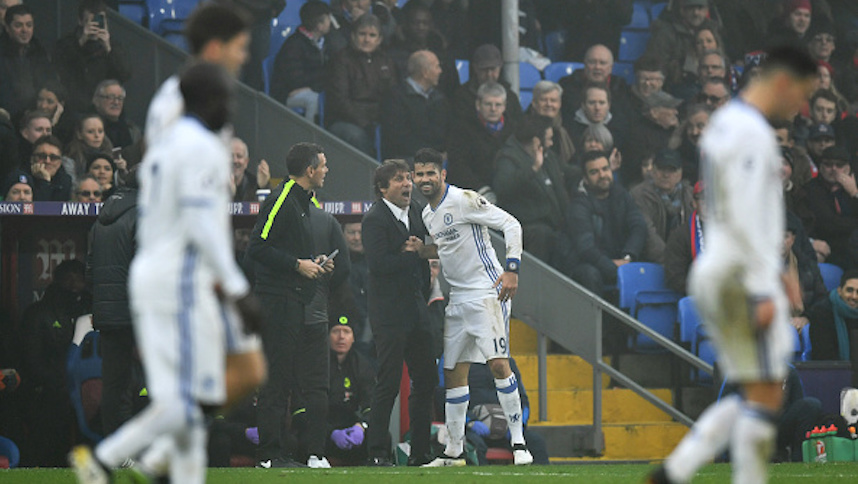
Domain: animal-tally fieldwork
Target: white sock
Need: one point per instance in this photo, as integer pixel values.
(159, 418)
(707, 438)
(752, 444)
(510, 401)
(188, 462)
(456, 410)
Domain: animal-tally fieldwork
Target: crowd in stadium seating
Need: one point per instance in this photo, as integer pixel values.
(601, 165)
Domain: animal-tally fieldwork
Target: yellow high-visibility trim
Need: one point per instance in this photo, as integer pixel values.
(276, 208)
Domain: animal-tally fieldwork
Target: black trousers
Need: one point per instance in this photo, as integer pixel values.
(312, 375)
(121, 377)
(284, 317)
(415, 347)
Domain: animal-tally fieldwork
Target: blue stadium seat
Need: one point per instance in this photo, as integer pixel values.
(555, 45)
(525, 97)
(831, 275)
(528, 75)
(640, 17)
(643, 294)
(688, 320)
(169, 15)
(806, 346)
(632, 45)
(83, 368)
(285, 24)
(267, 65)
(463, 68)
(656, 9)
(625, 70)
(135, 10)
(558, 70)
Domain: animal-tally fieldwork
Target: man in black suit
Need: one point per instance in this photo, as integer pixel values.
(393, 234)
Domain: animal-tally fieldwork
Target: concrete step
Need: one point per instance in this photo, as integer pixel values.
(575, 407)
(624, 442)
(565, 372)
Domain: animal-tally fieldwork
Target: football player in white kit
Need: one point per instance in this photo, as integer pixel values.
(476, 324)
(184, 285)
(739, 283)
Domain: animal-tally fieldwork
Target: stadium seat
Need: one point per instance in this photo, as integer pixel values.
(643, 294)
(831, 275)
(528, 76)
(83, 368)
(284, 24)
(688, 320)
(655, 10)
(625, 70)
(135, 10)
(463, 68)
(558, 70)
(555, 45)
(632, 45)
(640, 17)
(267, 65)
(525, 97)
(806, 346)
(169, 15)
(278, 37)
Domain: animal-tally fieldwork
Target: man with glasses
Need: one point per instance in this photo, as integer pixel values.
(711, 65)
(714, 93)
(50, 180)
(88, 190)
(109, 102)
(833, 198)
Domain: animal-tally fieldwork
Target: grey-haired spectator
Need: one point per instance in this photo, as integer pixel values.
(87, 189)
(247, 181)
(360, 77)
(51, 183)
(547, 101)
(598, 67)
(299, 72)
(476, 138)
(711, 65)
(485, 67)
(342, 27)
(109, 102)
(714, 92)
(673, 36)
(17, 187)
(24, 62)
(89, 55)
(416, 114)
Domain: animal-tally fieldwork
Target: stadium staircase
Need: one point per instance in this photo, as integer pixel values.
(634, 429)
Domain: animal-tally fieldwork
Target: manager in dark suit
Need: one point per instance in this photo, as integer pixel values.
(393, 234)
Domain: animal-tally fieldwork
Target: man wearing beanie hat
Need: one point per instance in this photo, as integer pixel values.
(793, 27)
(17, 187)
(485, 66)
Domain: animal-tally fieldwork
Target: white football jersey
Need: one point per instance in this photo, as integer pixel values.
(166, 107)
(184, 229)
(459, 226)
(745, 212)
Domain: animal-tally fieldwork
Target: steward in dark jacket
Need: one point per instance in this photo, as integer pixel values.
(411, 120)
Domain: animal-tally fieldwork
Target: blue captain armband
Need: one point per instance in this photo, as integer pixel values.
(512, 265)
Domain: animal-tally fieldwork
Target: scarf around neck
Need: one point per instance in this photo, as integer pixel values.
(842, 311)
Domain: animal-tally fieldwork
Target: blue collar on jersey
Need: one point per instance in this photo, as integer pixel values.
(446, 190)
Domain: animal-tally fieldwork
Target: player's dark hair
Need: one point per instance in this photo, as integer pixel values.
(850, 274)
(48, 139)
(794, 60)
(207, 90)
(428, 156)
(589, 156)
(312, 13)
(212, 21)
(14, 10)
(386, 171)
(302, 156)
(92, 6)
(534, 126)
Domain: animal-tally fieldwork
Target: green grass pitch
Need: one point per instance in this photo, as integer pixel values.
(589, 474)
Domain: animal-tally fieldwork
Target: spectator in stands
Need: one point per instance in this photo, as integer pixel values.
(795, 197)
(51, 99)
(834, 322)
(821, 41)
(823, 108)
(4, 5)
(826, 83)
(102, 167)
(585, 23)
(651, 135)
(820, 137)
(714, 92)
(484, 403)
(597, 138)
(712, 65)
(417, 32)
(87, 189)
(389, 14)
(529, 184)
(597, 70)
(649, 79)
(246, 181)
(352, 383)
(261, 13)
(24, 62)
(546, 101)
(298, 74)
(17, 187)
(109, 102)
(51, 183)
(358, 280)
(485, 67)
(595, 109)
(745, 23)
(360, 77)
(343, 26)
(49, 325)
(89, 55)
(33, 125)
(416, 114)
(604, 228)
(685, 244)
(805, 270)
(832, 198)
(791, 29)
(476, 138)
(666, 202)
(802, 167)
(89, 139)
(686, 140)
(673, 36)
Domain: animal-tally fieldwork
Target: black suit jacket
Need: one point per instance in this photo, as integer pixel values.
(398, 281)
